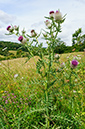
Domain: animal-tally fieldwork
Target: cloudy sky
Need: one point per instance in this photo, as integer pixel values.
(29, 14)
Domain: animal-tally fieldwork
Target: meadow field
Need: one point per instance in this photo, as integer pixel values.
(22, 104)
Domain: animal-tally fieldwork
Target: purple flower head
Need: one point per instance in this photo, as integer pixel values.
(6, 101)
(33, 33)
(57, 11)
(58, 15)
(14, 96)
(74, 63)
(46, 20)
(20, 38)
(47, 23)
(8, 27)
(51, 12)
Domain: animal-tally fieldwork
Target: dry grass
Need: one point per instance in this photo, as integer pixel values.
(14, 52)
(21, 66)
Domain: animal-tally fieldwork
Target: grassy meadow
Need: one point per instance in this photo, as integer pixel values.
(22, 103)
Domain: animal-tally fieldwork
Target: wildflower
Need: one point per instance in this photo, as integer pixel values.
(14, 96)
(47, 23)
(22, 40)
(58, 15)
(67, 57)
(8, 28)
(26, 103)
(6, 101)
(12, 93)
(16, 75)
(16, 28)
(77, 114)
(33, 33)
(29, 102)
(51, 14)
(56, 56)
(62, 65)
(78, 55)
(74, 91)
(2, 91)
(76, 80)
(79, 91)
(74, 63)
(75, 57)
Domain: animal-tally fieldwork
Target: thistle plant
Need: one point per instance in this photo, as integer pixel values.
(45, 64)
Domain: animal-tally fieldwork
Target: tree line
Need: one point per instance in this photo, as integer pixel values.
(78, 43)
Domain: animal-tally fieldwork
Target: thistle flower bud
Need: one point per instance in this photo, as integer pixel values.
(23, 31)
(16, 28)
(74, 63)
(58, 15)
(47, 23)
(51, 14)
(33, 33)
(56, 56)
(62, 65)
(22, 40)
(10, 29)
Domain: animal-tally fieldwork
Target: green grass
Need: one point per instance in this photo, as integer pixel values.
(22, 103)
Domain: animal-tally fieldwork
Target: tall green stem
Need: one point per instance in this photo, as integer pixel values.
(47, 100)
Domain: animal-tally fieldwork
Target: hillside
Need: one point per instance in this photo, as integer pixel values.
(22, 93)
(9, 50)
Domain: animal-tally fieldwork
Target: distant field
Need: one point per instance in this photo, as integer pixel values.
(2, 56)
(14, 52)
(22, 90)
(20, 66)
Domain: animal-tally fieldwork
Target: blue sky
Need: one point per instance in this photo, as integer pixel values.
(29, 14)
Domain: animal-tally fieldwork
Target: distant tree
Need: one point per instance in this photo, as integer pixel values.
(60, 46)
(78, 38)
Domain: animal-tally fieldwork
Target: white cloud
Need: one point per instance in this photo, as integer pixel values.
(6, 18)
(29, 14)
(4, 37)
